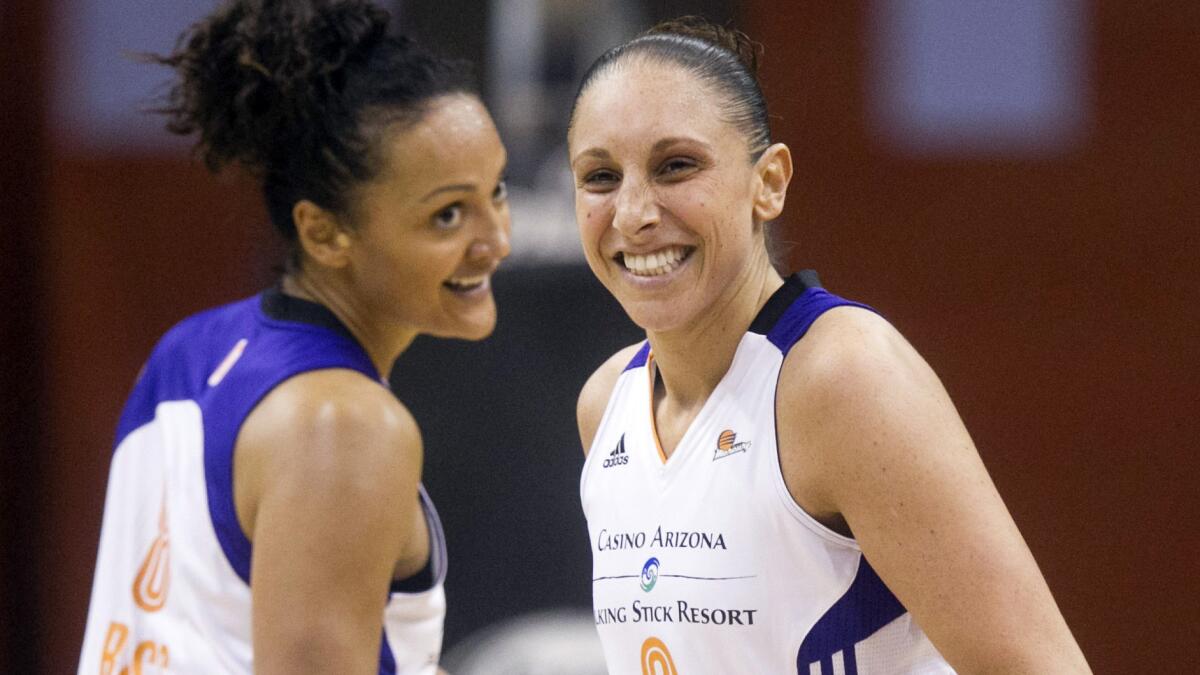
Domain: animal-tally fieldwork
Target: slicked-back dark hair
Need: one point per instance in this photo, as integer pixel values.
(298, 92)
(725, 59)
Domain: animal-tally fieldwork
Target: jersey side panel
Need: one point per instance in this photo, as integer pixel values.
(172, 580)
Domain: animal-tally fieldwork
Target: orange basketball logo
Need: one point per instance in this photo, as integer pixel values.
(726, 439)
(728, 445)
(656, 658)
(154, 577)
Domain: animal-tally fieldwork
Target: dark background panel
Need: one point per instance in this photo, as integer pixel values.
(502, 453)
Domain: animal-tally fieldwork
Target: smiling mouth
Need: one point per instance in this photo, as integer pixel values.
(466, 284)
(654, 264)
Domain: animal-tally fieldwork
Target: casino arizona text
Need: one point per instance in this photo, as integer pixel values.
(616, 541)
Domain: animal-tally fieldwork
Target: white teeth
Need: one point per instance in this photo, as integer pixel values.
(654, 264)
(466, 282)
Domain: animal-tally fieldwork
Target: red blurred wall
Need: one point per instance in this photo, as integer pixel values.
(135, 245)
(22, 202)
(1056, 297)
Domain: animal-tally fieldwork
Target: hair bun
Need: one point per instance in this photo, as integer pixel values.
(258, 70)
(697, 27)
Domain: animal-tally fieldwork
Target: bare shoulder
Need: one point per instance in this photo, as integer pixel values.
(853, 376)
(331, 433)
(326, 478)
(850, 361)
(593, 399)
(849, 343)
(870, 444)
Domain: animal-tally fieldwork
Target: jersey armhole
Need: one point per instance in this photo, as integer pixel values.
(785, 495)
(433, 574)
(234, 541)
(608, 412)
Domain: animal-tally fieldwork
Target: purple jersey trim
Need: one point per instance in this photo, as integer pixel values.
(866, 607)
(799, 317)
(179, 369)
(640, 358)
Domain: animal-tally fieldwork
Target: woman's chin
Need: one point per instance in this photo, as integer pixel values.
(655, 316)
(472, 329)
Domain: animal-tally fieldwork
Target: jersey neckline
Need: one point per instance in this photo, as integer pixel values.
(280, 306)
(768, 316)
(793, 287)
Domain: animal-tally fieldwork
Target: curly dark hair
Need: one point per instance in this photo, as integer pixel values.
(725, 58)
(299, 92)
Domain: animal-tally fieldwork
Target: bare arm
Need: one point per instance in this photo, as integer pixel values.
(871, 441)
(327, 469)
(593, 399)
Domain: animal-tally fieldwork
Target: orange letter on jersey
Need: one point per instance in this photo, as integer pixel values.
(149, 653)
(154, 578)
(656, 659)
(114, 642)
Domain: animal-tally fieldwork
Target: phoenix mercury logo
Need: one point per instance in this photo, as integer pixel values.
(727, 444)
(656, 658)
(154, 576)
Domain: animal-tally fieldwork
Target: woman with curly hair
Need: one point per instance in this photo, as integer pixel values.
(264, 510)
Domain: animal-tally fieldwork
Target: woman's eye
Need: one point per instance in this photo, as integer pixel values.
(600, 179)
(501, 191)
(676, 166)
(448, 217)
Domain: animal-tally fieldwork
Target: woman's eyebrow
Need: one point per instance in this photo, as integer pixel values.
(598, 153)
(672, 140)
(457, 187)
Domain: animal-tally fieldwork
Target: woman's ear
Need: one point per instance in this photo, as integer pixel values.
(321, 235)
(774, 170)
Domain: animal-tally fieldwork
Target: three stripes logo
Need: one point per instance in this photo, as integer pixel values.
(727, 444)
(618, 456)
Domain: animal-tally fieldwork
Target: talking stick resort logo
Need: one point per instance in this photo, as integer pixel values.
(727, 444)
(617, 457)
(649, 574)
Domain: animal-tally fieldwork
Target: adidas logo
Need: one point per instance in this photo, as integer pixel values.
(617, 457)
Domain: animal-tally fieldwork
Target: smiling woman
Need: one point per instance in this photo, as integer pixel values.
(259, 441)
(857, 526)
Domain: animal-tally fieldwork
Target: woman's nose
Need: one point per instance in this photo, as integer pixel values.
(636, 208)
(494, 242)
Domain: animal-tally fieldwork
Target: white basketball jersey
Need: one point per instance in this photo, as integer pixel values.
(703, 562)
(171, 592)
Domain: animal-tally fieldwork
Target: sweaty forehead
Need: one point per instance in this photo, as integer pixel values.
(452, 123)
(454, 140)
(636, 97)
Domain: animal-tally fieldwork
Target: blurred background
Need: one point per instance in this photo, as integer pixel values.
(1013, 183)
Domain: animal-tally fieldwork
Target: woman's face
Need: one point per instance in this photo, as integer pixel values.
(434, 224)
(664, 193)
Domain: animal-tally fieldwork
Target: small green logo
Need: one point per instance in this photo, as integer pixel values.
(649, 574)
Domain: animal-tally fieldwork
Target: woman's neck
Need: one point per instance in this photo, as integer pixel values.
(383, 346)
(693, 358)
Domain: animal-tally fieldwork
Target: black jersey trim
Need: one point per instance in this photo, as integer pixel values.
(283, 307)
(418, 583)
(793, 287)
